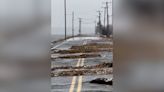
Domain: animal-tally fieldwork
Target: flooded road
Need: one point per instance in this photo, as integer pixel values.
(80, 83)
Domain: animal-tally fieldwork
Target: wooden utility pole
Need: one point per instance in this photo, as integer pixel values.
(107, 16)
(99, 15)
(80, 20)
(107, 7)
(104, 16)
(65, 17)
(95, 27)
(72, 24)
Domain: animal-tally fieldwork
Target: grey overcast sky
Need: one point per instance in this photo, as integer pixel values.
(85, 9)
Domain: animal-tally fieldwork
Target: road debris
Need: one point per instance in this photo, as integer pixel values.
(74, 72)
(84, 55)
(105, 81)
(102, 65)
(88, 48)
(104, 68)
(82, 58)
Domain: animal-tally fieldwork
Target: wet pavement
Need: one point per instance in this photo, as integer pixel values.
(62, 84)
(80, 83)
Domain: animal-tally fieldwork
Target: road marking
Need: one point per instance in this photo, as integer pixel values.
(82, 62)
(78, 63)
(85, 42)
(74, 78)
(58, 45)
(80, 80)
(73, 84)
(79, 84)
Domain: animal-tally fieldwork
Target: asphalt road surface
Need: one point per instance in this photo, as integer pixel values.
(80, 83)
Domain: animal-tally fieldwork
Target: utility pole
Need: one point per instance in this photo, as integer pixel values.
(72, 24)
(95, 27)
(99, 12)
(65, 17)
(80, 20)
(99, 23)
(104, 16)
(107, 6)
(107, 16)
(95, 23)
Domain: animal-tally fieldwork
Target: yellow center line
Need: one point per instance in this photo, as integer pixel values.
(82, 62)
(78, 63)
(74, 78)
(73, 84)
(79, 84)
(80, 80)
